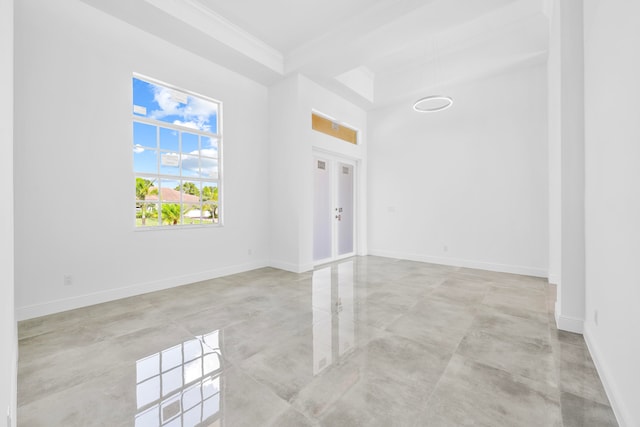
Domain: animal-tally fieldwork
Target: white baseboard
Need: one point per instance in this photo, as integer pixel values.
(289, 266)
(457, 262)
(568, 323)
(620, 410)
(306, 267)
(64, 304)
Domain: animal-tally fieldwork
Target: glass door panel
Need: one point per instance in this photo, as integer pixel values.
(345, 212)
(322, 224)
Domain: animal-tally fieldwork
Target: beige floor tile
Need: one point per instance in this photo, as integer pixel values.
(471, 393)
(374, 342)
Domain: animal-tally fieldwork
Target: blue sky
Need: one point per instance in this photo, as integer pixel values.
(198, 156)
(167, 105)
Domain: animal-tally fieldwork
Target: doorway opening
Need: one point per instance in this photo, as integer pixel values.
(334, 210)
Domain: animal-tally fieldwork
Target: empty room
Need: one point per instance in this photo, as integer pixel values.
(340, 213)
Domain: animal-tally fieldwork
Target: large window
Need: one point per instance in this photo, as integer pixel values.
(177, 152)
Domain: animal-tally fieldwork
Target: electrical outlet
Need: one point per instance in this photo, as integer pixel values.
(445, 248)
(595, 317)
(68, 281)
(250, 252)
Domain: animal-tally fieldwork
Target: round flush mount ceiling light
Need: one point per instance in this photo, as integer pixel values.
(431, 104)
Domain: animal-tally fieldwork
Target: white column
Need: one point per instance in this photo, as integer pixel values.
(8, 339)
(566, 163)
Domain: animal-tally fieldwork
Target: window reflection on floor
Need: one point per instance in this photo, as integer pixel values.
(333, 314)
(180, 386)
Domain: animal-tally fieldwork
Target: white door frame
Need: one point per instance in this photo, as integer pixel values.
(334, 159)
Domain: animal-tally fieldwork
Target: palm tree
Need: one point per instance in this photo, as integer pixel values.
(188, 188)
(144, 187)
(171, 213)
(210, 193)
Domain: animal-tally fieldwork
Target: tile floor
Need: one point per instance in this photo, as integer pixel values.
(365, 342)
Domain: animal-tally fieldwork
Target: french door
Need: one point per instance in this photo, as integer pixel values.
(334, 208)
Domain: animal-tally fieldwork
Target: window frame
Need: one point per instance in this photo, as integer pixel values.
(181, 178)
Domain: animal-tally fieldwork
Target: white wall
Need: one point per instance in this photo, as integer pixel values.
(292, 141)
(466, 186)
(612, 89)
(73, 163)
(8, 336)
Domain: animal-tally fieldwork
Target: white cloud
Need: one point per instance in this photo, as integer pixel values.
(190, 125)
(209, 152)
(168, 106)
(138, 149)
(190, 163)
(195, 114)
(207, 168)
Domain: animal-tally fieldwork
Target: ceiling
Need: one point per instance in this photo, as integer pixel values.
(372, 52)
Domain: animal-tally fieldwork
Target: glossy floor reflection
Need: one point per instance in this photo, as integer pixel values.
(365, 342)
